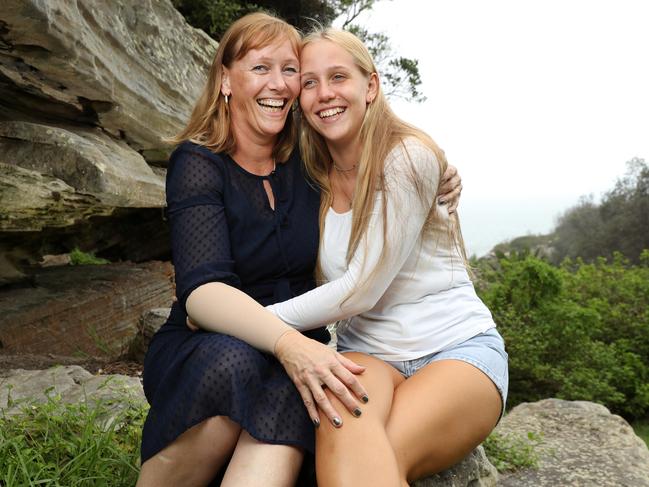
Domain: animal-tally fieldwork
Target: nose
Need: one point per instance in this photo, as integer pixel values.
(324, 92)
(276, 81)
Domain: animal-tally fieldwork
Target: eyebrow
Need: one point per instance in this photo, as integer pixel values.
(332, 68)
(270, 60)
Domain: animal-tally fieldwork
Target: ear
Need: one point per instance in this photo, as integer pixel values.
(372, 88)
(225, 81)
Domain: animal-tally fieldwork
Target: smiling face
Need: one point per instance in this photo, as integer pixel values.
(262, 86)
(335, 92)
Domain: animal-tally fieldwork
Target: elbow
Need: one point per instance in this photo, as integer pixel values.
(195, 299)
(357, 307)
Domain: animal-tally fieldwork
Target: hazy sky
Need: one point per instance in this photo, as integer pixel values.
(536, 102)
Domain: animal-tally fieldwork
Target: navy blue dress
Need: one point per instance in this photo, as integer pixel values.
(223, 229)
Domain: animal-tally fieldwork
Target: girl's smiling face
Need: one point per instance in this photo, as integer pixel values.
(262, 86)
(335, 92)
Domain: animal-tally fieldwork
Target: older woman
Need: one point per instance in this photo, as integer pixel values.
(244, 225)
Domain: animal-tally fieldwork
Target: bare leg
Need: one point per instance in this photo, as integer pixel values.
(359, 453)
(194, 458)
(439, 415)
(261, 464)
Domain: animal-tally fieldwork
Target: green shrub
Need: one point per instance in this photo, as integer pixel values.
(58, 444)
(578, 331)
(641, 429)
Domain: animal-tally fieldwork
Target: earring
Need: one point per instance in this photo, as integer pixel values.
(227, 97)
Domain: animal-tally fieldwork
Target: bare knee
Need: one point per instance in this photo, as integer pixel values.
(194, 457)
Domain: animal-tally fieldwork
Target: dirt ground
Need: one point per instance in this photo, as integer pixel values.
(92, 365)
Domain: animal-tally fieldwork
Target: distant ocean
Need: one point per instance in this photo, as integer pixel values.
(487, 222)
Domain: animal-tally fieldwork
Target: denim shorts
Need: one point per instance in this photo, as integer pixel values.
(485, 351)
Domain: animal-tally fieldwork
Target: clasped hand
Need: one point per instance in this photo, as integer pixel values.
(313, 366)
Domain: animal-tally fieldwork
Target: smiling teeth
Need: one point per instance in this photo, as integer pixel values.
(271, 102)
(331, 112)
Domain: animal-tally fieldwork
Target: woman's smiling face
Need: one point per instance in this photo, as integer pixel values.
(262, 86)
(335, 92)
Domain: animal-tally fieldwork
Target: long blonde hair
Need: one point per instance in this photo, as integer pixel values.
(209, 123)
(380, 133)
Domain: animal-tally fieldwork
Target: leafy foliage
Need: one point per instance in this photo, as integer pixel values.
(578, 331)
(59, 444)
(400, 74)
(619, 223)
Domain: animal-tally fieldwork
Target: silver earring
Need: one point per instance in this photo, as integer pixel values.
(227, 97)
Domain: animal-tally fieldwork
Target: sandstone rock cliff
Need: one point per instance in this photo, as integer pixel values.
(88, 92)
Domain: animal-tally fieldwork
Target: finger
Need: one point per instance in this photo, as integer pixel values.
(351, 382)
(450, 172)
(309, 404)
(323, 402)
(350, 365)
(343, 394)
(190, 324)
(451, 197)
(450, 185)
(453, 205)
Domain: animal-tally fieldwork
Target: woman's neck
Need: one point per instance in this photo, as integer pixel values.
(345, 156)
(253, 155)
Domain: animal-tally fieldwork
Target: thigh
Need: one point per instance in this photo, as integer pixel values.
(359, 453)
(379, 380)
(439, 415)
(262, 464)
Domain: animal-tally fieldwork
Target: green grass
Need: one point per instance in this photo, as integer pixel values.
(79, 257)
(641, 429)
(58, 444)
(508, 453)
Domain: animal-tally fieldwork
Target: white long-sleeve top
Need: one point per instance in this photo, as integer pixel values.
(419, 299)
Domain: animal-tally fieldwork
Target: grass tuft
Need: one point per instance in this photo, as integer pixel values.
(509, 453)
(60, 444)
(79, 257)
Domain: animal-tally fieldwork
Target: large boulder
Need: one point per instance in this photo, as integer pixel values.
(89, 90)
(30, 201)
(474, 470)
(582, 444)
(55, 176)
(87, 311)
(132, 68)
(72, 384)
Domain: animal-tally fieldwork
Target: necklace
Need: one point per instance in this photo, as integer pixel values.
(341, 187)
(341, 169)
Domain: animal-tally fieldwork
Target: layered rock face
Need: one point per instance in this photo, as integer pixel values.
(88, 92)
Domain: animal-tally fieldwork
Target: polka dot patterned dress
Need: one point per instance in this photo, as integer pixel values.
(224, 229)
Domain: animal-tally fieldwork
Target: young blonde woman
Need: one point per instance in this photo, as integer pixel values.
(244, 228)
(396, 282)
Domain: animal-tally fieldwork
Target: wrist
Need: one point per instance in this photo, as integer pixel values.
(281, 341)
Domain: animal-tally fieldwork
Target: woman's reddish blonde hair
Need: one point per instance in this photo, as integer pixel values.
(209, 123)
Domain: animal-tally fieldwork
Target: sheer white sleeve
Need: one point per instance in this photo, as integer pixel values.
(407, 212)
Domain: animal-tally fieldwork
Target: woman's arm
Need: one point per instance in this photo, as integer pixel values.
(207, 285)
(407, 212)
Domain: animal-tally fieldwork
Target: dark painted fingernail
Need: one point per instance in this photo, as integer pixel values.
(316, 422)
(357, 412)
(337, 422)
(365, 399)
